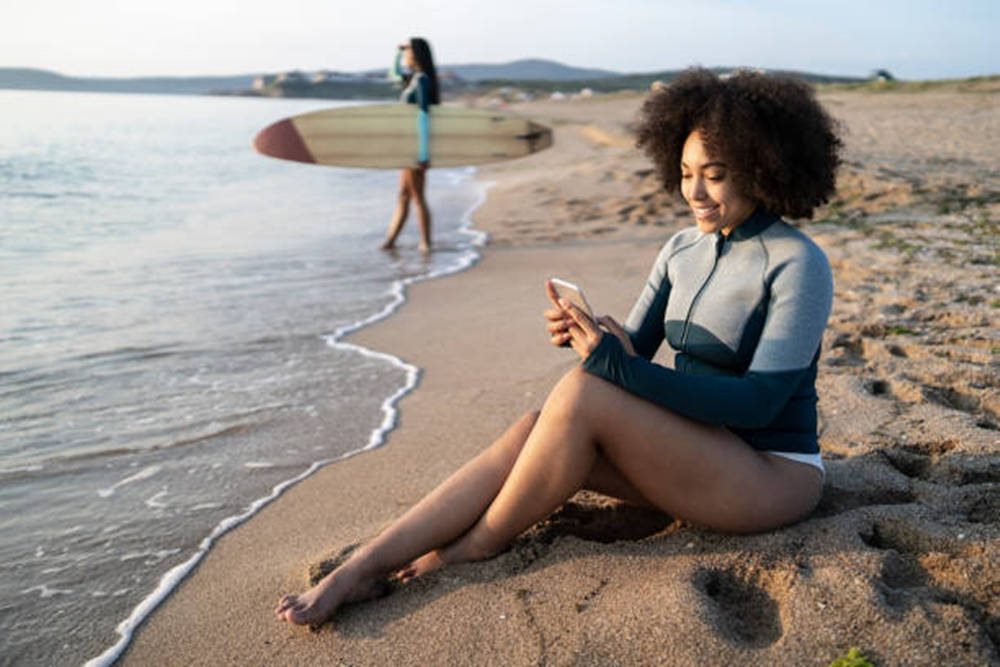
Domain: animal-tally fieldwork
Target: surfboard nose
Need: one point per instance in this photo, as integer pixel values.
(282, 140)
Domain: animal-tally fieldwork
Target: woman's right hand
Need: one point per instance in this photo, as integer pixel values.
(569, 326)
(558, 320)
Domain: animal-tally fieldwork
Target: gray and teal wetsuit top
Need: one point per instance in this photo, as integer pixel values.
(745, 315)
(418, 92)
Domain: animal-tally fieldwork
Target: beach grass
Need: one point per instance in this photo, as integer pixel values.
(853, 658)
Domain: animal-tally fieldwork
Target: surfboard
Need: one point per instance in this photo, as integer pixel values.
(384, 136)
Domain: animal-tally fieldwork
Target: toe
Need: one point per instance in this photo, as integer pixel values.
(284, 603)
(299, 615)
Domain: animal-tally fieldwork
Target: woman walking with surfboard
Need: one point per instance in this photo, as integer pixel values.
(421, 89)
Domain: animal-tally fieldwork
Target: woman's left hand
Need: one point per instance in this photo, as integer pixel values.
(618, 332)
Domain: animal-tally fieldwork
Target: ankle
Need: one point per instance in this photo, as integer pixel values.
(362, 565)
(472, 547)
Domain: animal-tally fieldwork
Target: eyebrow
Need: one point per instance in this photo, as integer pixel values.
(716, 163)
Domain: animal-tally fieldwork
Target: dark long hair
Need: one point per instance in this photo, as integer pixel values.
(425, 61)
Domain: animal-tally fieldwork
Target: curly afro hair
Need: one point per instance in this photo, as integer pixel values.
(780, 144)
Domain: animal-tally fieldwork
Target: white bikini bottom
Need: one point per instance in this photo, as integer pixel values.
(814, 460)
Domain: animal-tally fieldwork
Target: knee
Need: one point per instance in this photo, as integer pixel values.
(572, 391)
(528, 419)
(509, 447)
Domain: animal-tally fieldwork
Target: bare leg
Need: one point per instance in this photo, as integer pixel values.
(589, 432)
(441, 517)
(402, 210)
(690, 470)
(423, 212)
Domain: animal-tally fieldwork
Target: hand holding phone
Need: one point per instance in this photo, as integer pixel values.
(581, 333)
(572, 293)
(571, 327)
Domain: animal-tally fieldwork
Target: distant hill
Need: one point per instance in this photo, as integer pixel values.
(616, 82)
(532, 68)
(38, 79)
(534, 75)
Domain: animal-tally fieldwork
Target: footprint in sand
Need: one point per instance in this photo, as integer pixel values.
(739, 608)
(942, 575)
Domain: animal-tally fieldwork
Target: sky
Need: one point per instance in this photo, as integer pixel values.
(915, 39)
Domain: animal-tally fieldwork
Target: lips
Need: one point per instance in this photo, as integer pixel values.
(702, 212)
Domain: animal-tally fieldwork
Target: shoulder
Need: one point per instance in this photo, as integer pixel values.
(791, 250)
(677, 244)
(681, 241)
(422, 82)
(784, 242)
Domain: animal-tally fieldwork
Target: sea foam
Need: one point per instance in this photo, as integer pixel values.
(169, 581)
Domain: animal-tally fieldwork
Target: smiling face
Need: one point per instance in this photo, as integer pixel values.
(707, 185)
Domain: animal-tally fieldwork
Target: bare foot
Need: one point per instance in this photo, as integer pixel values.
(387, 245)
(430, 561)
(321, 601)
(425, 248)
(460, 551)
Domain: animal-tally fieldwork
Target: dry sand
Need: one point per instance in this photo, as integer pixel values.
(901, 559)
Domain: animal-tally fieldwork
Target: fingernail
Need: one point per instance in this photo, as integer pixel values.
(564, 303)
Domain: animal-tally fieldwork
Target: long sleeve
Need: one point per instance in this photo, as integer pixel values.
(798, 289)
(645, 322)
(395, 71)
(752, 400)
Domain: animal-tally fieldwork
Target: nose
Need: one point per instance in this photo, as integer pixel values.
(697, 190)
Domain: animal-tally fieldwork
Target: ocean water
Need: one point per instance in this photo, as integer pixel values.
(170, 361)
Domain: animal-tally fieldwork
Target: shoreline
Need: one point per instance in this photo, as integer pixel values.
(905, 518)
(174, 577)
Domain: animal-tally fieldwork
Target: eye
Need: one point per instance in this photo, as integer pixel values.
(717, 176)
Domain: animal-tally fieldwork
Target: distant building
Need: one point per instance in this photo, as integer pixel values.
(882, 75)
(326, 76)
(293, 78)
(262, 81)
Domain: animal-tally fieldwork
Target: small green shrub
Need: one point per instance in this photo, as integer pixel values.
(853, 658)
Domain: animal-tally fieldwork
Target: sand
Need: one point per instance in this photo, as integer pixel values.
(902, 557)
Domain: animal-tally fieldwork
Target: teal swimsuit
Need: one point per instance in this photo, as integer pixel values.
(417, 92)
(745, 315)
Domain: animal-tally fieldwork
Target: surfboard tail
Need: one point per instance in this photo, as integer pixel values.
(282, 140)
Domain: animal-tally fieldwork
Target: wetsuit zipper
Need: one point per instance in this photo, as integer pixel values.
(694, 302)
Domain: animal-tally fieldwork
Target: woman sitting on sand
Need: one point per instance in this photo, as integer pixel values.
(422, 90)
(726, 438)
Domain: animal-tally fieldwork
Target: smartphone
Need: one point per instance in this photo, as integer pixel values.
(573, 294)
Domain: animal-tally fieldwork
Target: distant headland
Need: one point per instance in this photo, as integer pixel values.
(533, 76)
